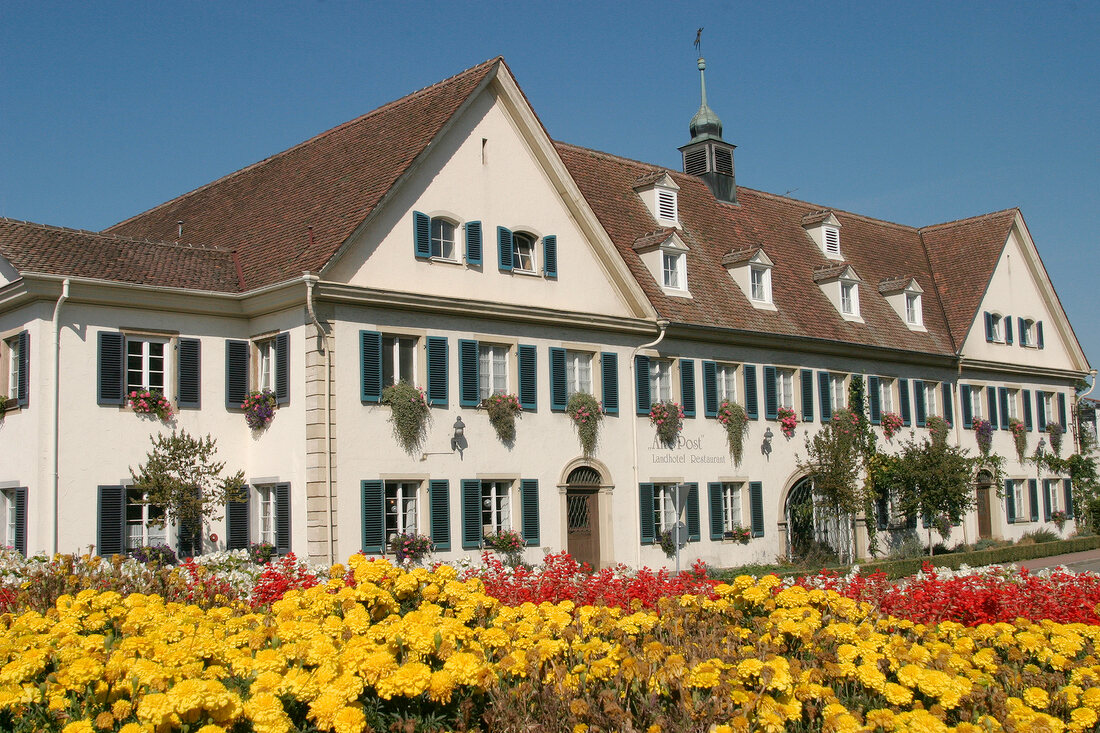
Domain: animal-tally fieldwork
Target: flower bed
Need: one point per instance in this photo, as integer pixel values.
(391, 649)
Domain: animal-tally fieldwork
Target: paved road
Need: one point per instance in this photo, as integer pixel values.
(1077, 562)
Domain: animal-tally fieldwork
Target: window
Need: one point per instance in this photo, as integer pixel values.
(1011, 405)
(931, 390)
(914, 314)
(672, 270)
(398, 360)
(727, 382)
(666, 204)
(664, 508)
(832, 240)
(265, 364)
(15, 357)
(401, 508)
(660, 380)
(838, 392)
(1052, 493)
(731, 506)
(523, 252)
(976, 402)
(886, 394)
(784, 383)
(492, 370)
(1020, 500)
(1027, 332)
(996, 328)
(578, 372)
(266, 514)
(443, 239)
(849, 298)
(761, 284)
(11, 525)
(496, 507)
(144, 522)
(146, 363)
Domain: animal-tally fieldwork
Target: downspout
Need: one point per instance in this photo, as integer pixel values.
(57, 408)
(309, 281)
(663, 325)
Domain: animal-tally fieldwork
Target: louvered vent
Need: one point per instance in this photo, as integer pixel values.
(832, 241)
(695, 162)
(723, 161)
(666, 204)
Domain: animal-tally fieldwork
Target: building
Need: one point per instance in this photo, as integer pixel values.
(445, 239)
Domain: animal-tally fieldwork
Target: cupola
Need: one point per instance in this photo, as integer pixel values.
(707, 155)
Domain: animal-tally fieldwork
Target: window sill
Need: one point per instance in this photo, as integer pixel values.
(444, 261)
(676, 292)
(11, 409)
(763, 305)
(526, 273)
(920, 327)
(852, 317)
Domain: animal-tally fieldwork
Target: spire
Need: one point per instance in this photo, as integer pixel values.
(706, 123)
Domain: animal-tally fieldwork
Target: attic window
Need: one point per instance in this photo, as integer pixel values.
(832, 240)
(666, 204)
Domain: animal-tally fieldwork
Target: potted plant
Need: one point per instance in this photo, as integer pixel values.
(1055, 431)
(502, 409)
(668, 544)
(1019, 435)
(1059, 518)
(585, 412)
(259, 409)
(938, 427)
(738, 533)
(787, 421)
(891, 424)
(261, 553)
(736, 422)
(668, 418)
(507, 541)
(408, 413)
(410, 547)
(150, 402)
(983, 431)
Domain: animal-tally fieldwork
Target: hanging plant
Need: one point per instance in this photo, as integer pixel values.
(1055, 431)
(891, 424)
(3, 405)
(733, 418)
(668, 418)
(502, 409)
(259, 409)
(410, 547)
(508, 541)
(787, 421)
(668, 544)
(1019, 434)
(150, 402)
(983, 431)
(939, 428)
(586, 413)
(409, 414)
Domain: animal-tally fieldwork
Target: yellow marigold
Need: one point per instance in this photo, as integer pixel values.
(933, 682)
(895, 694)
(1036, 697)
(441, 686)
(1083, 717)
(104, 721)
(267, 714)
(871, 676)
(122, 709)
(134, 728)
(211, 728)
(749, 668)
(408, 680)
(880, 717)
(157, 710)
(706, 675)
(580, 728)
(350, 720)
(79, 726)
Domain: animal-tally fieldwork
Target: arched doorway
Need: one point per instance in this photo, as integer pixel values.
(582, 509)
(813, 534)
(983, 486)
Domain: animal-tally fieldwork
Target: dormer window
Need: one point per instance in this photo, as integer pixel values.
(832, 241)
(914, 315)
(904, 296)
(751, 269)
(672, 269)
(665, 254)
(660, 194)
(666, 204)
(849, 298)
(760, 279)
(824, 228)
(841, 285)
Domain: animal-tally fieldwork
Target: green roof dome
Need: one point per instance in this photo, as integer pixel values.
(706, 122)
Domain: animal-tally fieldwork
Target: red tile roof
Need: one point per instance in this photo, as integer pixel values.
(57, 251)
(331, 182)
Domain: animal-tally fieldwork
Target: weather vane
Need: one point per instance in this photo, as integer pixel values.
(699, 41)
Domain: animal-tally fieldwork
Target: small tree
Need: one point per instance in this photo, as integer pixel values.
(182, 476)
(834, 463)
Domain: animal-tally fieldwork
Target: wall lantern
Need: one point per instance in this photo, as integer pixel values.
(766, 446)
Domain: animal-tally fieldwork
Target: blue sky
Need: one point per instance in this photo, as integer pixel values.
(916, 113)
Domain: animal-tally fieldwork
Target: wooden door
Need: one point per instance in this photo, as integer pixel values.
(985, 528)
(583, 516)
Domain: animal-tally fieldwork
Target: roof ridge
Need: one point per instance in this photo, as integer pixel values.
(114, 237)
(970, 219)
(385, 107)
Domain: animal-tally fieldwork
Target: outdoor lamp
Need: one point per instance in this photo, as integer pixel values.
(766, 446)
(1042, 444)
(458, 440)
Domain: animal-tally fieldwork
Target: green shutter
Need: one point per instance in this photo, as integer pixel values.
(236, 373)
(370, 366)
(1003, 394)
(504, 249)
(282, 368)
(609, 375)
(112, 369)
(1008, 330)
(19, 498)
(1067, 487)
(1033, 495)
(641, 384)
(468, 391)
(1040, 411)
(550, 255)
(948, 406)
(874, 400)
(1028, 422)
(189, 378)
(189, 539)
(692, 511)
(111, 527)
(1062, 410)
(471, 514)
(439, 501)
(988, 326)
(282, 518)
(559, 392)
(710, 389)
(752, 410)
(771, 394)
(473, 243)
(921, 407)
(645, 511)
(23, 378)
(1047, 489)
(825, 388)
(967, 407)
(529, 503)
(374, 516)
(436, 347)
(422, 235)
(756, 507)
(903, 399)
(237, 533)
(1010, 501)
(717, 510)
(527, 363)
(991, 393)
(687, 386)
(806, 380)
(1039, 334)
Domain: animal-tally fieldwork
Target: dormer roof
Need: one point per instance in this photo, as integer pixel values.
(898, 284)
(754, 255)
(666, 237)
(656, 178)
(837, 272)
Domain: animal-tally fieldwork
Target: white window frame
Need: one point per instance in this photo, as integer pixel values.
(146, 363)
(997, 328)
(660, 380)
(1027, 333)
(267, 513)
(849, 297)
(784, 388)
(147, 535)
(664, 508)
(11, 525)
(439, 241)
(492, 371)
(667, 205)
(931, 399)
(976, 398)
(760, 283)
(1013, 404)
(401, 508)
(914, 309)
(838, 391)
(496, 506)
(265, 364)
(726, 378)
(1023, 504)
(392, 361)
(673, 275)
(731, 505)
(11, 349)
(1052, 486)
(578, 372)
(886, 394)
(1048, 407)
(524, 247)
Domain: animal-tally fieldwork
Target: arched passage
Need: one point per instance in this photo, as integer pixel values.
(584, 483)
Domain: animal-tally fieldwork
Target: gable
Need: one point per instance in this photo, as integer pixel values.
(486, 167)
(1019, 289)
(8, 273)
